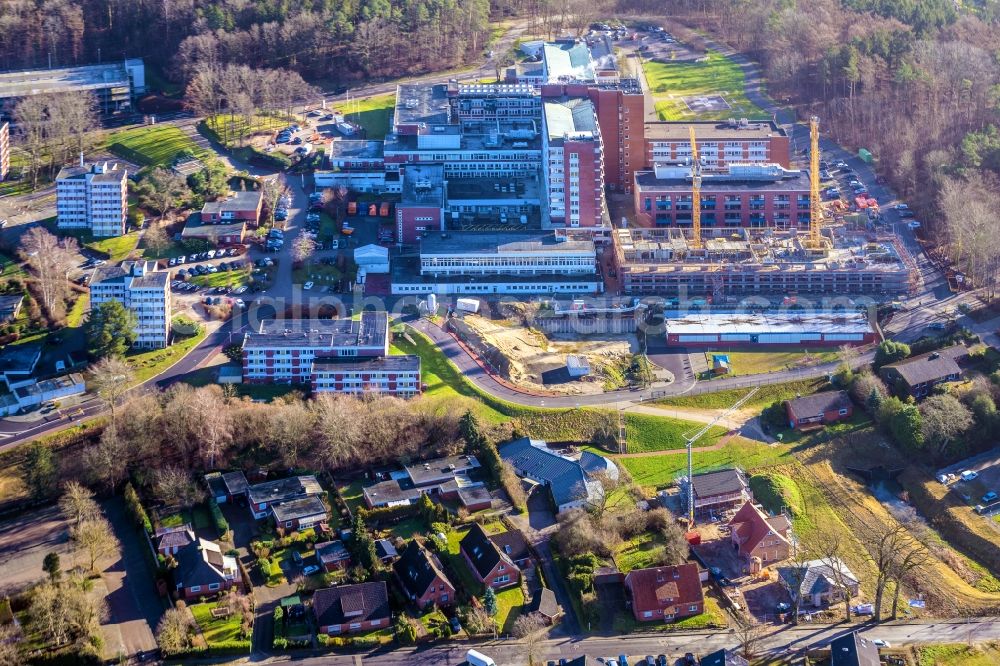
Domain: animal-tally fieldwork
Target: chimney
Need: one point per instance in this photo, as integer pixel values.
(81, 158)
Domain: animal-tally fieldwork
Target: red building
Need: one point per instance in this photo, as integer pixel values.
(752, 196)
(387, 375)
(420, 574)
(665, 593)
(351, 608)
(819, 409)
(237, 206)
(491, 566)
(421, 206)
(574, 164)
(760, 538)
(719, 143)
(333, 555)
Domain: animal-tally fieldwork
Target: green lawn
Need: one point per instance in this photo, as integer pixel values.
(10, 268)
(658, 471)
(639, 553)
(510, 602)
(352, 495)
(713, 617)
(153, 145)
(149, 363)
(374, 114)
(765, 396)
(112, 250)
(776, 491)
(223, 278)
(755, 363)
(226, 127)
(673, 80)
(954, 654)
(216, 630)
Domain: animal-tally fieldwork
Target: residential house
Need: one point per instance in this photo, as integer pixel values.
(822, 582)
(719, 491)
(299, 514)
(446, 478)
(263, 495)
(333, 555)
(238, 206)
(572, 483)
(216, 234)
(513, 544)
(663, 594)
(170, 540)
(142, 289)
(202, 570)
(351, 608)
(491, 566)
(723, 657)
(10, 307)
(818, 409)
(422, 578)
(385, 551)
(227, 486)
(853, 649)
(918, 375)
(760, 540)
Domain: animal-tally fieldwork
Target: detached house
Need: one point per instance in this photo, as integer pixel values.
(665, 593)
(202, 569)
(420, 574)
(853, 650)
(264, 495)
(492, 567)
(299, 514)
(758, 539)
(822, 583)
(818, 410)
(918, 375)
(350, 608)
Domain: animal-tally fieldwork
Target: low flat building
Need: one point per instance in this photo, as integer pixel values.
(736, 330)
(18, 363)
(216, 234)
(444, 478)
(115, 84)
(262, 496)
(819, 409)
(355, 155)
(918, 375)
(245, 206)
(56, 388)
(421, 206)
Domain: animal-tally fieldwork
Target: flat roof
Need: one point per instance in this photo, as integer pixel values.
(489, 189)
(214, 230)
(567, 61)
(769, 322)
(429, 471)
(792, 181)
(474, 242)
(570, 118)
(667, 130)
(87, 77)
(423, 185)
(103, 172)
(357, 149)
(371, 330)
(422, 103)
(236, 202)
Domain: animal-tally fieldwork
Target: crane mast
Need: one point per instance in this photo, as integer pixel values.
(815, 203)
(695, 192)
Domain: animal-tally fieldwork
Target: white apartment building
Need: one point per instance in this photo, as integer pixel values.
(93, 198)
(143, 290)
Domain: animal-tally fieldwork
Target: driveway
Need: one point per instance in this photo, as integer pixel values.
(24, 543)
(134, 606)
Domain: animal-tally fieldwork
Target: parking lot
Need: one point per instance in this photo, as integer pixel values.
(972, 479)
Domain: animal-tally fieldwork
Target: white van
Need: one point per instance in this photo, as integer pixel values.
(476, 658)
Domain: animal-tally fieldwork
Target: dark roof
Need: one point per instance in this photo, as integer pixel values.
(544, 602)
(384, 548)
(565, 477)
(652, 588)
(9, 304)
(818, 404)
(722, 482)
(440, 469)
(237, 202)
(474, 495)
(20, 359)
(820, 576)
(853, 650)
(371, 330)
(483, 553)
(236, 482)
(417, 569)
(792, 181)
(332, 551)
(297, 509)
(174, 537)
(284, 489)
(513, 543)
(925, 368)
(345, 604)
(199, 563)
(723, 657)
(477, 242)
(401, 363)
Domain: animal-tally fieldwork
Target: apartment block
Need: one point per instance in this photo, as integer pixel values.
(94, 198)
(719, 143)
(4, 150)
(143, 290)
(115, 84)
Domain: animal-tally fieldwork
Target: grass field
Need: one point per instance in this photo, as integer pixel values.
(953, 654)
(639, 553)
(670, 81)
(10, 268)
(373, 113)
(755, 363)
(765, 396)
(152, 145)
(660, 470)
(230, 128)
(149, 363)
(222, 278)
(216, 629)
(113, 249)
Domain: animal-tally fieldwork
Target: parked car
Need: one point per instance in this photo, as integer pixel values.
(969, 475)
(989, 497)
(878, 642)
(310, 570)
(308, 285)
(689, 659)
(172, 262)
(456, 626)
(622, 660)
(211, 254)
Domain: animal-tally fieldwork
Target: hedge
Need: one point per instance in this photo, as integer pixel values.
(389, 513)
(220, 521)
(219, 648)
(136, 510)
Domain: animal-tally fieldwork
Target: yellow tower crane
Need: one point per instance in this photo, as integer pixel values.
(815, 203)
(695, 192)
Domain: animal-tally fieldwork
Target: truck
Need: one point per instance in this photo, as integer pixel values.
(477, 658)
(470, 305)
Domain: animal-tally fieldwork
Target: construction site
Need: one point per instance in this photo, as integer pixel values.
(824, 250)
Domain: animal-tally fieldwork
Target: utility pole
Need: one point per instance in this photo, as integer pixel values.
(691, 439)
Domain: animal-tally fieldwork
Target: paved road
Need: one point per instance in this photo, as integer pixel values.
(25, 540)
(674, 644)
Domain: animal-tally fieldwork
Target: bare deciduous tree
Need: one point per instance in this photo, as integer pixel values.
(529, 629)
(95, 537)
(172, 632)
(77, 503)
(50, 259)
(748, 632)
(174, 486)
(110, 379)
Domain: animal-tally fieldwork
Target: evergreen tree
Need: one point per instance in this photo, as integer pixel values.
(50, 565)
(39, 471)
(490, 602)
(110, 330)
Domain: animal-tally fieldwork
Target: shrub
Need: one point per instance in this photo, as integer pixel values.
(136, 510)
(220, 521)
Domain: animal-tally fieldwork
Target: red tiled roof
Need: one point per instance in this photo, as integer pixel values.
(665, 587)
(750, 526)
